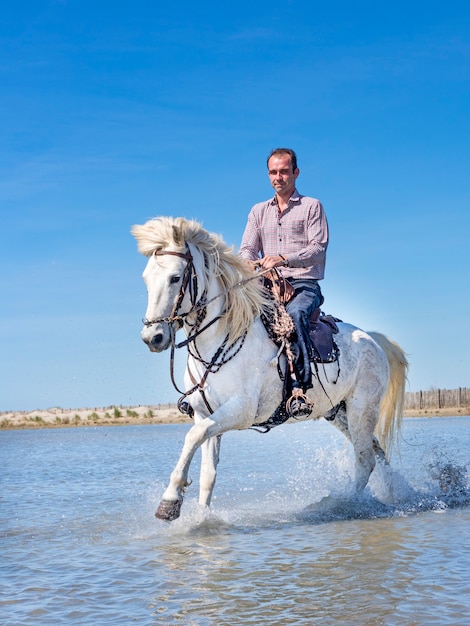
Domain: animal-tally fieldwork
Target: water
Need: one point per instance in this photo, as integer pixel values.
(284, 543)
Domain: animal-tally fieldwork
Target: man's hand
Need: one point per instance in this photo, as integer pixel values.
(268, 262)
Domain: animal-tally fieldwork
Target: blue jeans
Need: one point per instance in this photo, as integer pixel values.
(307, 298)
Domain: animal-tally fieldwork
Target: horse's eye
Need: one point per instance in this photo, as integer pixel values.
(174, 280)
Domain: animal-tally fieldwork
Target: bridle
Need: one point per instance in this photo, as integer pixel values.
(224, 353)
(189, 268)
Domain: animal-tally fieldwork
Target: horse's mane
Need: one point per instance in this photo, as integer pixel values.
(242, 303)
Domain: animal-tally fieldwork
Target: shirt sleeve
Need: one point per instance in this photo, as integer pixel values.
(251, 246)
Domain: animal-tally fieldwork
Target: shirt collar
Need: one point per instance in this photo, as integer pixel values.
(295, 197)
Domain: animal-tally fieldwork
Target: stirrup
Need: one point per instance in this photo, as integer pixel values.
(298, 405)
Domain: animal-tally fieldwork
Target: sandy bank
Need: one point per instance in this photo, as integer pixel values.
(108, 416)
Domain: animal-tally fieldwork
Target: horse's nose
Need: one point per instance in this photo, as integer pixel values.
(155, 338)
(154, 342)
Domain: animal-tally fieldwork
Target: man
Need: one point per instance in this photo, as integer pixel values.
(290, 232)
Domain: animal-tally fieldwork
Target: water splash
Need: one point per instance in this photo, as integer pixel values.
(329, 497)
(451, 479)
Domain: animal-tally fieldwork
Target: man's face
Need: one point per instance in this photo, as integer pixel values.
(281, 175)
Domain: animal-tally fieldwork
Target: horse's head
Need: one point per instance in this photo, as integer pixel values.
(168, 276)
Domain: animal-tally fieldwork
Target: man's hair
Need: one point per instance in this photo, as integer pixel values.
(280, 152)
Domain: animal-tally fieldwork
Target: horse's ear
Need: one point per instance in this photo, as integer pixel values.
(177, 235)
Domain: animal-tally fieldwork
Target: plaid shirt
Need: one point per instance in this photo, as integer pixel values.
(300, 234)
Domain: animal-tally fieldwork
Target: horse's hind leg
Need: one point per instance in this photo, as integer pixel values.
(361, 426)
(358, 427)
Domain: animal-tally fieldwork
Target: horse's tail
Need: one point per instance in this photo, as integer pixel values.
(393, 403)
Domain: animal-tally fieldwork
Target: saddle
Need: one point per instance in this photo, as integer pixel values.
(322, 329)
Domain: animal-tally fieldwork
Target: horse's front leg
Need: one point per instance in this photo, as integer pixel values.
(172, 499)
(210, 458)
(232, 415)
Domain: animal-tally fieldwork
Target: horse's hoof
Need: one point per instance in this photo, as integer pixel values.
(169, 510)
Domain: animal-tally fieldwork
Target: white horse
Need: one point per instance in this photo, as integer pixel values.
(194, 281)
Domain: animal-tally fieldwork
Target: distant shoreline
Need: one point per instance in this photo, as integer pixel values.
(108, 416)
(119, 416)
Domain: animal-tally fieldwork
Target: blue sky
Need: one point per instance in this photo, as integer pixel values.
(115, 113)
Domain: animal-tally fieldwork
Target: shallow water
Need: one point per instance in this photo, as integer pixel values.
(284, 543)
